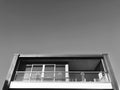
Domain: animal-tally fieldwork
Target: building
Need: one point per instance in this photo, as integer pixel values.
(82, 72)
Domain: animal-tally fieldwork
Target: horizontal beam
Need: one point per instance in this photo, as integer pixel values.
(60, 85)
(61, 55)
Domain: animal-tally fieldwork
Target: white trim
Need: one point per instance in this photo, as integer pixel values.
(11, 69)
(54, 71)
(67, 72)
(43, 70)
(31, 55)
(61, 85)
(103, 65)
(31, 71)
(60, 55)
(106, 74)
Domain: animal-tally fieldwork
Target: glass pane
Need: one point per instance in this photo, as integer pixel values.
(36, 76)
(19, 76)
(75, 77)
(60, 75)
(28, 67)
(37, 68)
(33, 76)
(49, 67)
(91, 76)
(48, 79)
(62, 79)
(60, 67)
(49, 75)
(26, 75)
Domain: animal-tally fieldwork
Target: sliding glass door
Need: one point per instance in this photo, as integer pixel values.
(45, 72)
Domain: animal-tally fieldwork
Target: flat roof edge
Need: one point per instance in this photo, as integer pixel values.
(61, 55)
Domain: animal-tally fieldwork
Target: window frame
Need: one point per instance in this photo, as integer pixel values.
(43, 66)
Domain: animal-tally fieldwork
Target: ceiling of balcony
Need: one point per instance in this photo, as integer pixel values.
(84, 65)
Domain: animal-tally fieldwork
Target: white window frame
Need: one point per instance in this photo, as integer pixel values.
(43, 70)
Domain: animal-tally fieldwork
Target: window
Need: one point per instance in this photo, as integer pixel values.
(49, 72)
(44, 72)
(36, 71)
(60, 73)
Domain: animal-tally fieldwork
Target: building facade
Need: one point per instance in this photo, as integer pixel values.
(83, 72)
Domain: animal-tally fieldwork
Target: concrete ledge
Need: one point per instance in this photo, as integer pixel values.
(61, 85)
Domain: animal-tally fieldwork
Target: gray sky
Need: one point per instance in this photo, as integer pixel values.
(59, 26)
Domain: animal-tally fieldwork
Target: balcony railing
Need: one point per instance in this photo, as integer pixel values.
(71, 76)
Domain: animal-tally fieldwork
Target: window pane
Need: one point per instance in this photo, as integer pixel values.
(26, 75)
(91, 76)
(75, 77)
(37, 68)
(60, 68)
(60, 76)
(62, 79)
(35, 76)
(49, 67)
(28, 67)
(49, 75)
(48, 79)
(60, 73)
(38, 77)
(19, 76)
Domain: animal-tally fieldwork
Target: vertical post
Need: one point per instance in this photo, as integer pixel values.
(110, 72)
(104, 67)
(31, 73)
(54, 72)
(12, 67)
(67, 72)
(107, 79)
(10, 72)
(43, 72)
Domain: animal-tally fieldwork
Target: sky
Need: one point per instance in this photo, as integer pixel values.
(59, 27)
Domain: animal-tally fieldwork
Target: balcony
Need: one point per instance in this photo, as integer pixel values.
(61, 76)
(61, 73)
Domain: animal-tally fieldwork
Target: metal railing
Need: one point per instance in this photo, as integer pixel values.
(71, 76)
